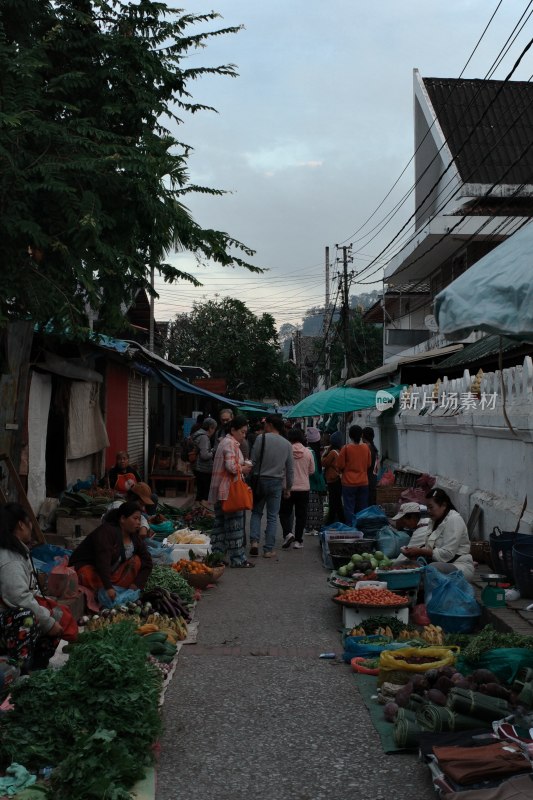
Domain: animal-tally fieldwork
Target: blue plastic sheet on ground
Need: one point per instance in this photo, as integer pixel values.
(123, 596)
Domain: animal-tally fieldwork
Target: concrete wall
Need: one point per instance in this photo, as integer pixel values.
(471, 450)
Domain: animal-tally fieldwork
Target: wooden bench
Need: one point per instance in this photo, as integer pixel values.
(168, 477)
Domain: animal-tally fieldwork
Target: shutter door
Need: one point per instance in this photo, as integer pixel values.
(136, 421)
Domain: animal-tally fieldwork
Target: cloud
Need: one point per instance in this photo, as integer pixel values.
(282, 156)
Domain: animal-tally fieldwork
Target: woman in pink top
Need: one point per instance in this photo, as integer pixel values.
(298, 497)
(227, 535)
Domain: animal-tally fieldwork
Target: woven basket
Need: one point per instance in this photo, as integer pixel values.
(202, 580)
(481, 552)
(388, 494)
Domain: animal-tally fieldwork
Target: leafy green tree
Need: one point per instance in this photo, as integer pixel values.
(366, 346)
(229, 340)
(92, 178)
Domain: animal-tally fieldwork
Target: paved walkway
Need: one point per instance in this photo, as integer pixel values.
(252, 712)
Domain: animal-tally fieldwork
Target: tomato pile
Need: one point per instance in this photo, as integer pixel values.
(372, 597)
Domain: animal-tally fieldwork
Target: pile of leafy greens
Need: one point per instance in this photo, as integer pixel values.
(95, 720)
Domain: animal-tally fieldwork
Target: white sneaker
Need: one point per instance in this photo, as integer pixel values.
(298, 546)
(287, 541)
(312, 532)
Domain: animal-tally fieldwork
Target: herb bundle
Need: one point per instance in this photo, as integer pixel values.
(95, 720)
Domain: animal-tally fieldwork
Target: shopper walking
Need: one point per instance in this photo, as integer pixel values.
(273, 470)
(353, 464)
(294, 502)
(227, 534)
(333, 478)
(317, 484)
(368, 439)
(203, 466)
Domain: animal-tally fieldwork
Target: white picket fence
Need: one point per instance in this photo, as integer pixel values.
(457, 395)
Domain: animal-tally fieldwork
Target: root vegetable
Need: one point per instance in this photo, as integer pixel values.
(390, 711)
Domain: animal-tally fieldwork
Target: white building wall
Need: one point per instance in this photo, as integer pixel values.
(473, 453)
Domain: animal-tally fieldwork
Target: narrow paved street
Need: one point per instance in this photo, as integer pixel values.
(252, 712)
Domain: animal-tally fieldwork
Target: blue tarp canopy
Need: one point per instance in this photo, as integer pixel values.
(341, 399)
(495, 295)
(183, 386)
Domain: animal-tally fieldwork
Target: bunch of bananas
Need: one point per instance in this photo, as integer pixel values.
(433, 634)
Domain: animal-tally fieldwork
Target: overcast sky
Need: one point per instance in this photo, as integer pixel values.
(316, 129)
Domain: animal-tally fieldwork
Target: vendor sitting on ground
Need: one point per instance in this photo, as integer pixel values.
(444, 543)
(29, 634)
(114, 553)
(142, 495)
(122, 476)
(409, 517)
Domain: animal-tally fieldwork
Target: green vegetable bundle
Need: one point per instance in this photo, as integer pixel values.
(490, 639)
(95, 719)
(371, 624)
(163, 577)
(475, 704)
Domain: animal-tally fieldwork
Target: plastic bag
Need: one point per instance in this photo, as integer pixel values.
(370, 520)
(48, 553)
(162, 527)
(396, 659)
(62, 580)
(161, 554)
(387, 479)
(450, 594)
(419, 615)
(504, 662)
(123, 596)
(390, 541)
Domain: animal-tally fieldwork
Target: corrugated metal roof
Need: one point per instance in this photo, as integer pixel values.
(393, 366)
(480, 350)
(485, 146)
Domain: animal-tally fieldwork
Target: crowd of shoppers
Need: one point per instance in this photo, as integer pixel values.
(292, 472)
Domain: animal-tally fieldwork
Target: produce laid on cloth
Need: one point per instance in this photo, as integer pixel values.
(371, 597)
(95, 720)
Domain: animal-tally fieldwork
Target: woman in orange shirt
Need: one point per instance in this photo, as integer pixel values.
(353, 464)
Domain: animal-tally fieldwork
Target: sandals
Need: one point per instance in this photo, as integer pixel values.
(243, 565)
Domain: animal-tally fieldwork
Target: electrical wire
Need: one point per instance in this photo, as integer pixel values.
(393, 212)
(452, 162)
(402, 173)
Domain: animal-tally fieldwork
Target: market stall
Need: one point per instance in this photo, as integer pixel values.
(88, 727)
(459, 692)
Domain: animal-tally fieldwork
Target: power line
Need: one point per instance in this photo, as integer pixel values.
(404, 198)
(397, 207)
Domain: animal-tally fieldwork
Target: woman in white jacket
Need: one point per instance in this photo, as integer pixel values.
(444, 543)
(29, 634)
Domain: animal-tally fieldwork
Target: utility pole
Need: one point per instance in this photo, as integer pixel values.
(326, 328)
(346, 309)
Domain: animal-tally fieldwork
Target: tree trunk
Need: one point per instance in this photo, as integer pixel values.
(16, 344)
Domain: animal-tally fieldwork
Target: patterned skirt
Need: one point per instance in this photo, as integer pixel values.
(315, 512)
(227, 535)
